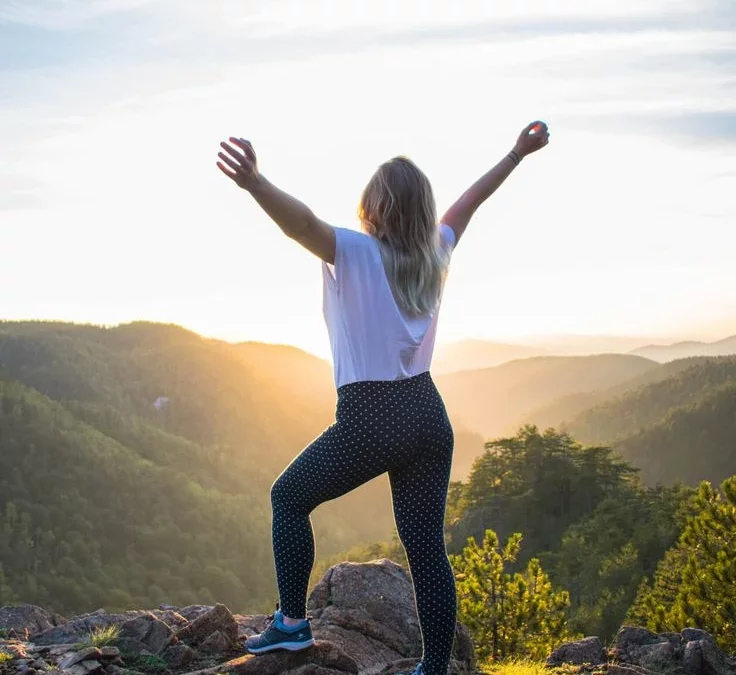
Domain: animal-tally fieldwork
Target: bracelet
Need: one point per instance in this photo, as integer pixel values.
(514, 157)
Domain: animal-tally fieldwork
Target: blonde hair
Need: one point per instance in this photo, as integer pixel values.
(397, 208)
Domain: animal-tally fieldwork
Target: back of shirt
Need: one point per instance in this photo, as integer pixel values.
(371, 337)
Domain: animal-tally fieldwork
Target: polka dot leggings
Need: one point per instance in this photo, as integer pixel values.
(400, 427)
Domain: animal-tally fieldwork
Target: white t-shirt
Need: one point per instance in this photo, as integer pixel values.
(370, 336)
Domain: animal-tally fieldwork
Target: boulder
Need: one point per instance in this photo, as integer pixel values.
(192, 612)
(631, 639)
(145, 633)
(589, 650)
(25, 620)
(179, 655)
(368, 611)
(324, 658)
(213, 631)
(79, 627)
(92, 653)
(714, 661)
(109, 653)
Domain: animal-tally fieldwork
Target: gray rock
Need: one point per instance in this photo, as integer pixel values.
(218, 619)
(178, 655)
(715, 661)
(674, 638)
(91, 666)
(695, 634)
(588, 650)
(631, 639)
(215, 643)
(40, 664)
(76, 669)
(659, 656)
(145, 633)
(27, 619)
(192, 612)
(109, 652)
(77, 657)
(692, 657)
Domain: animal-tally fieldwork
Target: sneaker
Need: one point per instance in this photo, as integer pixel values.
(279, 636)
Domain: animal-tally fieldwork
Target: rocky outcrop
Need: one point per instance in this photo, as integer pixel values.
(639, 651)
(363, 620)
(25, 620)
(368, 610)
(579, 652)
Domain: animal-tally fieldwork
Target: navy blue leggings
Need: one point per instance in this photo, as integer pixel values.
(400, 427)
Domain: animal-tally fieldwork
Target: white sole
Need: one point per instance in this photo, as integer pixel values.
(289, 646)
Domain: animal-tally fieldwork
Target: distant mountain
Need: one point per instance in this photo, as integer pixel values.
(582, 345)
(493, 401)
(477, 354)
(679, 350)
(678, 427)
(568, 407)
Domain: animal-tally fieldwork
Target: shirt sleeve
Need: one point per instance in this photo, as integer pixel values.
(447, 236)
(355, 254)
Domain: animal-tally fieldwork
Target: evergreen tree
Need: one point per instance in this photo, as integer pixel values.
(695, 584)
(508, 615)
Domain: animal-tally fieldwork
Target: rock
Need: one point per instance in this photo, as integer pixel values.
(674, 638)
(164, 606)
(218, 619)
(77, 657)
(91, 666)
(692, 657)
(40, 664)
(368, 611)
(178, 655)
(79, 627)
(192, 612)
(145, 633)
(627, 669)
(76, 669)
(588, 650)
(215, 643)
(695, 635)
(109, 652)
(714, 661)
(16, 649)
(23, 620)
(630, 640)
(324, 658)
(659, 656)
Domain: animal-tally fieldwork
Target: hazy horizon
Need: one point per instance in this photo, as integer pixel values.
(112, 210)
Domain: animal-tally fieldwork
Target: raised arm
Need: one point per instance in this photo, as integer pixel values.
(295, 219)
(532, 138)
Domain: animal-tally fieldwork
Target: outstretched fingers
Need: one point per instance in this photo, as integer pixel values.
(245, 146)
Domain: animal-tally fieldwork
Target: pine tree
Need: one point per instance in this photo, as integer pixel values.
(695, 584)
(508, 615)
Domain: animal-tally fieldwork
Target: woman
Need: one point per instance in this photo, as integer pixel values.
(382, 291)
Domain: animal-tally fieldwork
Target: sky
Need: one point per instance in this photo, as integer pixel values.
(112, 208)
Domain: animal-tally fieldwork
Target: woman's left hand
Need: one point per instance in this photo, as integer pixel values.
(239, 163)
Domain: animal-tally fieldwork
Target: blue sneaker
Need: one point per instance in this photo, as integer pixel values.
(279, 636)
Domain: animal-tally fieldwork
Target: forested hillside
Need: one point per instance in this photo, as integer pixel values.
(492, 401)
(110, 500)
(679, 428)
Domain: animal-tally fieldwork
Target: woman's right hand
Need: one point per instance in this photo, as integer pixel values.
(534, 137)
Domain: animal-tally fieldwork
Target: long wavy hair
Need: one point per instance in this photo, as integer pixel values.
(397, 207)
